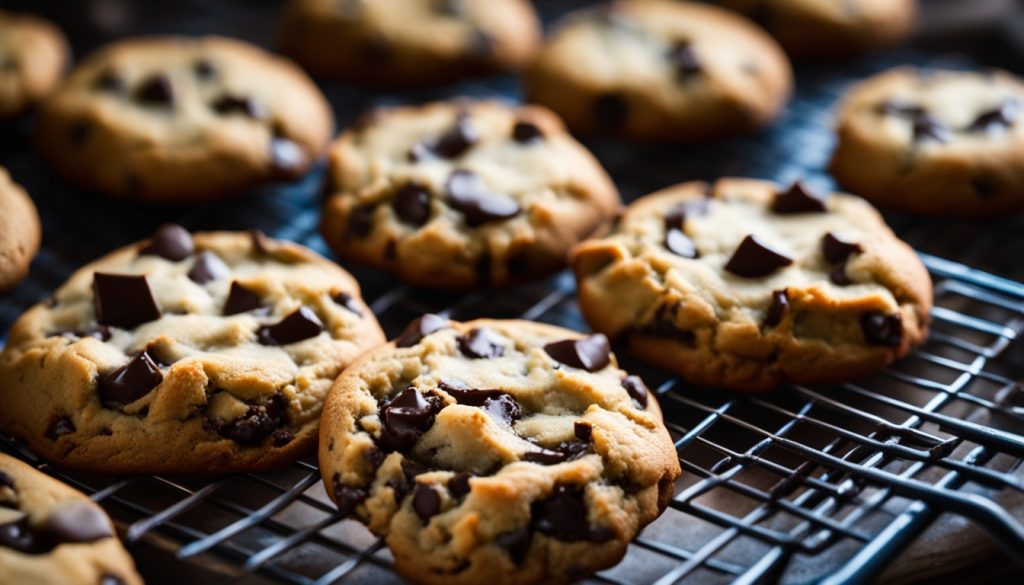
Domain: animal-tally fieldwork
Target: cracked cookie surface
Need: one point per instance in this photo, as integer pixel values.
(180, 119)
(745, 285)
(814, 30)
(463, 194)
(496, 452)
(934, 142)
(403, 43)
(33, 54)
(20, 232)
(51, 533)
(660, 70)
(184, 354)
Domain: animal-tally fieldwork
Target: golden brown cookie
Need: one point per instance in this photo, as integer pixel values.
(33, 55)
(19, 232)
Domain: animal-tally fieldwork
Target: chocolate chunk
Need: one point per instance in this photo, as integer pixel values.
(637, 390)
(18, 536)
(662, 325)
(426, 502)
(680, 244)
(838, 276)
(926, 127)
(59, 427)
(778, 308)
(753, 259)
(1001, 116)
(300, 324)
(228, 104)
(123, 300)
(882, 329)
(675, 217)
(467, 193)
(456, 140)
(281, 437)
(483, 343)
(101, 332)
(287, 158)
(155, 90)
(582, 430)
(348, 498)
(420, 328)
(6, 481)
(836, 250)
(610, 111)
(516, 543)
(170, 241)
(798, 199)
(208, 267)
(405, 418)
(131, 381)
(110, 579)
(563, 515)
(412, 205)
(360, 221)
(346, 300)
(684, 60)
(591, 353)
(241, 300)
(110, 81)
(458, 485)
(499, 405)
(525, 132)
(204, 69)
(565, 451)
(258, 422)
(261, 244)
(76, 522)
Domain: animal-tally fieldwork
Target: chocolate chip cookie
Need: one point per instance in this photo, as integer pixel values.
(185, 353)
(660, 70)
(463, 194)
(33, 55)
(408, 43)
(934, 142)
(176, 119)
(51, 533)
(746, 285)
(496, 452)
(811, 29)
(19, 232)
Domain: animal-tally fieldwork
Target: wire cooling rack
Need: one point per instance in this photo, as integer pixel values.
(825, 483)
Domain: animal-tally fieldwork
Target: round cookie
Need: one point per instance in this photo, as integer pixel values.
(934, 142)
(184, 354)
(175, 119)
(51, 533)
(19, 232)
(660, 70)
(496, 452)
(33, 55)
(406, 43)
(743, 285)
(812, 29)
(463, 194)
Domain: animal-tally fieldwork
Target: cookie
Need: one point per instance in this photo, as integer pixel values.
(408, 43)
(463, 194)
(496, 452)
(175, 119)
(33, 55)
(745, 285)
(201, 353)
(51, 533)
(810, 29)
(660, 70)
(19, 232)
(934, 142)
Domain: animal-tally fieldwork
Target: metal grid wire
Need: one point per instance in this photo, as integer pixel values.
(808, 483)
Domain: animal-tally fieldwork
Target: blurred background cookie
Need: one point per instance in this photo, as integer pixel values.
(19, 232)
(33, 56)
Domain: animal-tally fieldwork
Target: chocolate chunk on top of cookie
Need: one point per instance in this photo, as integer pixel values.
(186, 353)
(776, 284)
(524, 441)
(463, 194)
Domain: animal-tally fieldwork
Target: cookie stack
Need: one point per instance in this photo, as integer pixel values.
(489, 450)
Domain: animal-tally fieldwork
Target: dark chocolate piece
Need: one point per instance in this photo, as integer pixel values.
(123, 300)
(882, 329)
(300, 324)
(483, 343)
(241, 300)
(754, 259)
(591, 353)
(208, 267)
(420, 328)
(412, 205)
(798, 199)
(778, 308)
(637, 390)
(170, 241)
(131, 381)
(467, 193)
